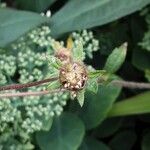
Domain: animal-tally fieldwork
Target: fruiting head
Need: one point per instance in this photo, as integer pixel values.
(73, 76)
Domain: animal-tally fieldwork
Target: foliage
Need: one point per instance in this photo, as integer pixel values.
(79, 117)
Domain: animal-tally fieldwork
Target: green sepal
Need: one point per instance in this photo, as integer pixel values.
(78, 53)
(80, 97)
(96, 73)
(92, 85)
(54, 62)
(54, 85)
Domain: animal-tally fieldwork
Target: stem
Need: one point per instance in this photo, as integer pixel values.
(22, 94)
(26, 85)
(131, 85)
(127, 84)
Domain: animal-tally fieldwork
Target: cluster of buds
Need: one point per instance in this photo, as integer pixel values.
(73, 76)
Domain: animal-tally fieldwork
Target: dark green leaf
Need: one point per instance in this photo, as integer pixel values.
(76, 14)
(123, 141)
(146, 142)
(35, 5)
(15, 23)
(141, 59)
(92, 144)
(116, 58)
(98, 105)
(66, 134)
(138, 104)
(108, 127)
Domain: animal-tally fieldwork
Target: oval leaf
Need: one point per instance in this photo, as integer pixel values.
(66, 134)
(15, 23)
(97, 106)
(93, 144)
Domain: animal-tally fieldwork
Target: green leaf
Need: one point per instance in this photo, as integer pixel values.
(14, 23)
(123, 141)
(138, 104)
(77, 15)
(116, 58)
(147, 74)
(78, 53)
(35, 5)
(146, 141)
(66, 134)
(96, 73)
(92, 85)
(98, 105)
(108, 127)
(140, 59)
(54, 85)
(93, 144)
(80, 97)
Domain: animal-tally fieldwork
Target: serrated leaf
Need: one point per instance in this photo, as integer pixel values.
(80, 97)
(54, 85)
(138, 104)
(78, 53)
(92, 85)
(66, 133)
(14, 23)
(116, 58)
(79, 14)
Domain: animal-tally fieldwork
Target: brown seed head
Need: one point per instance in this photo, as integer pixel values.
(73, 76)
(63, 54)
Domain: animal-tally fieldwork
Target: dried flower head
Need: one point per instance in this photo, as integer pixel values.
(73, 76)
(63, 54)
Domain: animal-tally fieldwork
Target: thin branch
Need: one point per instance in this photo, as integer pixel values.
(131, 85)
(26, 85)
(22, 94)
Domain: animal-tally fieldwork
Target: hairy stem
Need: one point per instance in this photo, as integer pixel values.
(38, 93)
(131, 85)
(126, 84)
(26, 85)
